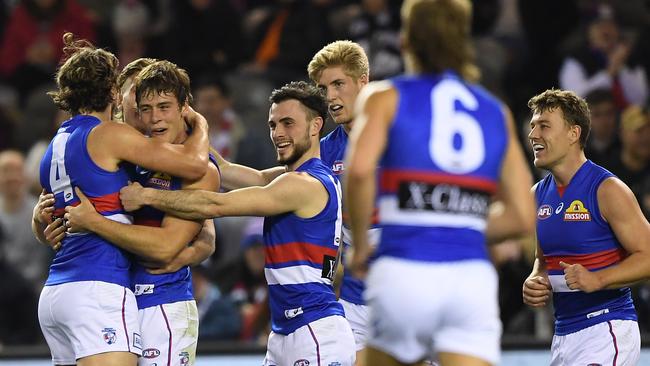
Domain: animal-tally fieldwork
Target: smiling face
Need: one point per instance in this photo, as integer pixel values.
(163, 117)
(341, 91)
(552, 138)
(290, 131)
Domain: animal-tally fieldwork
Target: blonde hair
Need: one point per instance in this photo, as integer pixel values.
(438, 35)
(348, 54)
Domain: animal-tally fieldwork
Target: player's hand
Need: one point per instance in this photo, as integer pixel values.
(79, 218)
(130, 196)
(536, 291)
(179, 261)
(54, 233)
(44, 208)
(192, 117)
(358, 263)
(578, 277)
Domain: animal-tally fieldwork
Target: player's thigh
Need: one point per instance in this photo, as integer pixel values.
(110, 359)
(357, 316)
(169, 334)
(60, 345)
(96, 317)
(604, 343)
(323, 342)
(472, 327)
(403, 298)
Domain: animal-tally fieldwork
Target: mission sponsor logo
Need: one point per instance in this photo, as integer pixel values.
(544, 212)
(577, 212)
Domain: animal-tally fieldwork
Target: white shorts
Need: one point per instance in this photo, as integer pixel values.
(357, 316)
(326, 341)
(169, 334)
(615, 342)
(85, 318)
(418, 309)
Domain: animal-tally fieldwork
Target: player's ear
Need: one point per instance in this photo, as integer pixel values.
(315, 126)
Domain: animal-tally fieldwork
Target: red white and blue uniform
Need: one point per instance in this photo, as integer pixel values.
(155, 289)
(332, 149)
(86, 306)
(301, 259)
(570, 229)
(429, 212)
(67, 164)
(441, 165)
(308, 327)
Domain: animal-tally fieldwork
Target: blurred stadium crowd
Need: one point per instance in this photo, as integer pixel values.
(237, 51)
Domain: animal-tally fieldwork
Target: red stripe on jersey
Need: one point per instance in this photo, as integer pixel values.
(589, 261)
(296, 251)
(147, 222)
(108, 202)
(390, 179)
(105, 203)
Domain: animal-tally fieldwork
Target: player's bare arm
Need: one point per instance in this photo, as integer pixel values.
(110, 143)
(376, 107)
(291, 192)
(157, 244)
(518, 215)
(199, 250)
(235, 176)
(619, 208)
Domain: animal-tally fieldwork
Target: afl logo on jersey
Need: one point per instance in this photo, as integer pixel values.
(577, 212)
(544, 212)
(338, 167)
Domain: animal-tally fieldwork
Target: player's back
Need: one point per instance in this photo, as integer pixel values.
(439, 170)
(301, 259)
(65, 165)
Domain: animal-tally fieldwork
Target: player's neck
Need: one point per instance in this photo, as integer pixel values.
(104, 116)
(564, 171)
(314, 152)
(347, 127)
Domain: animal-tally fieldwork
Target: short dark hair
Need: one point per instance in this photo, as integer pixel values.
(575, 109)
(163, 77)
(87, 79)
(312, 98)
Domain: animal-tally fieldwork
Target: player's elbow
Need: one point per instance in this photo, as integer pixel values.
(197, 168)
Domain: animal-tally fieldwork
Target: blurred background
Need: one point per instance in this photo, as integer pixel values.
(236, 52)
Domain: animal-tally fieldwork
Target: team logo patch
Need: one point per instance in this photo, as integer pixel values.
(302, 362)
(109, 335)
(137, 341)
(577, 212)
(338, 167)
(185, 358)
(292, 313)
(150, 353)
(544, 212)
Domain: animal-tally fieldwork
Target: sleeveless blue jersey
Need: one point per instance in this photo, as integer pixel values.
(65, 165)
(571, 229)
(301, 259)
(156, 289)
(332, 150)
(441, 165)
